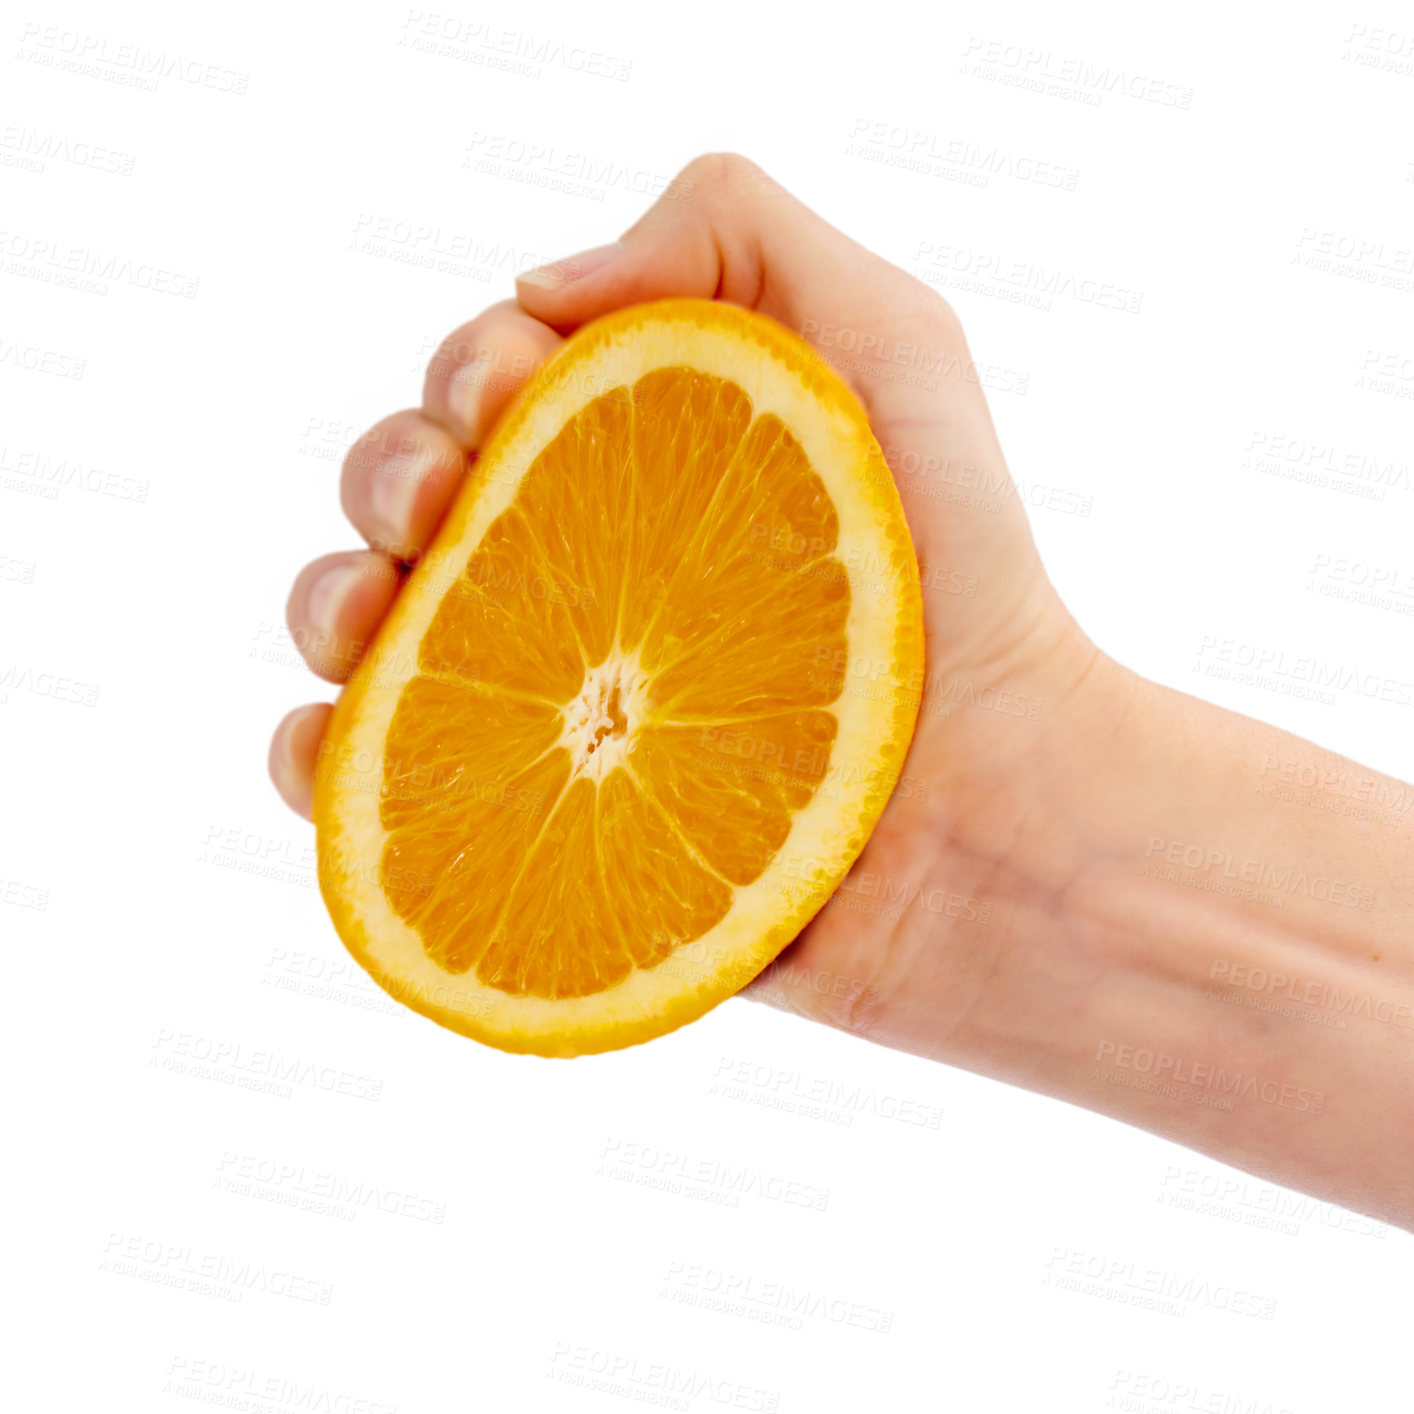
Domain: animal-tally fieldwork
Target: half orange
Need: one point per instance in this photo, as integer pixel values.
(636, 712)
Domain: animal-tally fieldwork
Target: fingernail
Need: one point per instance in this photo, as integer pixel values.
(572, 268)
(293, 756)
(464, 393)
(326, 598)
(282, 758)
(394, 490)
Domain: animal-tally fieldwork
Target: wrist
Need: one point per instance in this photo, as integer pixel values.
(1192, 951)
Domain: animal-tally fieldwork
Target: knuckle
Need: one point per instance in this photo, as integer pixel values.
(360, 462)
(459, 347)
(937, 314)
(467, 341)
(721, 172)
(294, 607)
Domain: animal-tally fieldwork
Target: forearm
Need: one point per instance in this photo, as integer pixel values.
(1202, 946)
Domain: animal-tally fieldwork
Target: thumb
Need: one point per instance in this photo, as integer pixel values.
(724, 230)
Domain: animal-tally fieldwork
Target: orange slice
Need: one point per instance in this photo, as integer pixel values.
(635, 714)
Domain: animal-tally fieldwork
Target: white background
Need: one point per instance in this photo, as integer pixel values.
(170, 459)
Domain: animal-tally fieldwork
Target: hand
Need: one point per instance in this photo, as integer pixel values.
(1014, 911)
(995, 629)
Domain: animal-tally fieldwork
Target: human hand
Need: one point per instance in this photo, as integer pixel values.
(1004, 915)
(995, 629)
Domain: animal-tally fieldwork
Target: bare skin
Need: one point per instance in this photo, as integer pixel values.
(1096, 887)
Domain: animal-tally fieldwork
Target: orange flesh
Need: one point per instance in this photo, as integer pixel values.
(624, 699)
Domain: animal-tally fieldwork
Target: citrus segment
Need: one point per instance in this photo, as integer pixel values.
(501, 623)
(686, 427)
(584, 540)
(450, 746)
(733, 793)
(565, 932)
(446, 873)
(771, 516)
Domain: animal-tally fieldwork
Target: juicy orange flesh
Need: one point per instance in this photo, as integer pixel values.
(623, 700)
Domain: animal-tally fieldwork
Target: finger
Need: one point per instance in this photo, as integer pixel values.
(336, 605)
(293, 751)
(723, 230)
(805, 980)
(398, 480)
(775, 986)
(480, 366)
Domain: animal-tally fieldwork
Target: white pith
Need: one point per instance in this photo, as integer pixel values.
(603, 717)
